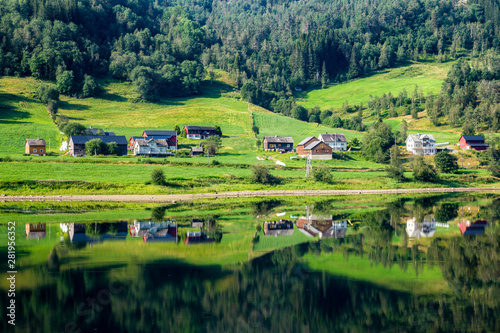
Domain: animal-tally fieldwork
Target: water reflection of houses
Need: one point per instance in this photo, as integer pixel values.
(322, 226)
(34, 230)
(197, 237)
(197, 223)
(154, 231)
(426, 229)
(278, 228)
(468, 228)
(77, 232)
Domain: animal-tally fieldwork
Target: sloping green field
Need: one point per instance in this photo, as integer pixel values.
(22, 117)
(428, 76)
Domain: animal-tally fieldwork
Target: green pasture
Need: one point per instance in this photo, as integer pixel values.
(22, 117)
(428, 76)
(275, 124)
(268, 243)
(427, 281)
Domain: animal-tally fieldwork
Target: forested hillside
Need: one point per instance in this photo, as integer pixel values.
(270, 47)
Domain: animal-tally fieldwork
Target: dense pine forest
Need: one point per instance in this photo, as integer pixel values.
(271, 48)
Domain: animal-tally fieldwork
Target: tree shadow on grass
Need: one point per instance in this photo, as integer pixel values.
(73, 107)
(113, 97)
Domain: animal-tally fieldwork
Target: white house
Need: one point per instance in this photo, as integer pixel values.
(421, 230)
(421, 144)
(336, 141)
(151, 147)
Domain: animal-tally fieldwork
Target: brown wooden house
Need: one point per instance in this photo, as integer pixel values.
(278, 143)
(34, 230)
(304, 143)
(318, 150)
(36, 147)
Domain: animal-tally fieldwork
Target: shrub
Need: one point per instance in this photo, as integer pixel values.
(445, 162)
(215, 162)
(422, 171)
(494, 168)
(258, 228)
(90, 87)
(52, 106)
(46, 92)
(260, 174)
(73, 129)
(322, 174)
(158, 177)
(95, 146)
(65, 82)
(112, 148)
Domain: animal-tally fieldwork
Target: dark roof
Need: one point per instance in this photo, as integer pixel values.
(200, 128)
(279, 139)
(473, 137)
(159, 133)
(337, 137)
(36, 142)
(158, 137)
(82, 139)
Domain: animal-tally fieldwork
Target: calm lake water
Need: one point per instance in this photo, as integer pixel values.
(423, 264)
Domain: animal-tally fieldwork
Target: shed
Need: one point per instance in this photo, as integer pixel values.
(36, 147)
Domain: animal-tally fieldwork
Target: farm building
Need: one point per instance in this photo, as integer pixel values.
(323, 226)
(278, 143)
(199, 132)
(318, 150)
(35, 147)
(77, 144)
(169, 136)
(468, 228)
(336, 141)
(279, 228)
(151, 147)
(196, 151)
(33, 230)
(475, 142)
(98, 131)
(304, 143)
(421, 144)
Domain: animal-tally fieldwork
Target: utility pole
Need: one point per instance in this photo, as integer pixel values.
(308, 165)
(49, 146)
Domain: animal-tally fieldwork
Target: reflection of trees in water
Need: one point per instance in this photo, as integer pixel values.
(271, 294)
(264, 207)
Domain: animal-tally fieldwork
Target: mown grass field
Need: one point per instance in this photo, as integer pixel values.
(22, 117)
(428, 76)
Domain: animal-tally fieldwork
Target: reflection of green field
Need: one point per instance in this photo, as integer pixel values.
(267, 243)
(429, 281)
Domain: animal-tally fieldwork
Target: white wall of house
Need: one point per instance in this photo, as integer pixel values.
(151, 149)
(335, 145)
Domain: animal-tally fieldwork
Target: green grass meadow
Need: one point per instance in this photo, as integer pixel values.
(428, 76)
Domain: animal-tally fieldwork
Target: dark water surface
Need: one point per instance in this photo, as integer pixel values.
(427, 264)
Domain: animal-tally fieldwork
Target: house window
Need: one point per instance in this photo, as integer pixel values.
(41, 150)
(34, 150)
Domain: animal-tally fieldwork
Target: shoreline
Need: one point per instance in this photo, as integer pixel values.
(173, 198)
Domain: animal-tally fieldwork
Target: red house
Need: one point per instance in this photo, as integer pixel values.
(468, 228)
(475, 142)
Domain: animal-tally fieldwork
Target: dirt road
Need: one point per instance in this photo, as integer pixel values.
(190, 197)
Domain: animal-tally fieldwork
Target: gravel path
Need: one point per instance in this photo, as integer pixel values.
(190, 197)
